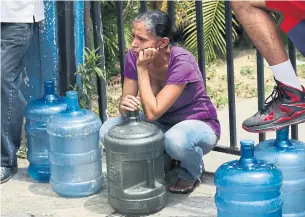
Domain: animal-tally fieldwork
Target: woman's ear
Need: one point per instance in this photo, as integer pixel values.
(164, 42)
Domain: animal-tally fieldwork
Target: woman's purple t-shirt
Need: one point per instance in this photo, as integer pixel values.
(193, 103)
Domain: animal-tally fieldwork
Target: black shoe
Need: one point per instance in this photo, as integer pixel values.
(7, 173)
(286, 107)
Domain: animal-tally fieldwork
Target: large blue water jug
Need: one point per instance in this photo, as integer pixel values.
(248, 187)
(75, 154)
(37, 113)
(289, 156)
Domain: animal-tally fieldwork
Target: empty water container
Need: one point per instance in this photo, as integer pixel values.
(289, 156)
(135, 166)
(37, 113)
(248, 187)
(75, 154)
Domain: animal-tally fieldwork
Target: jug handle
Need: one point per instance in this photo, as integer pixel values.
(151, 177)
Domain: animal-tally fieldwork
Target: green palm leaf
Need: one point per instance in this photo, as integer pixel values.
(214, 28)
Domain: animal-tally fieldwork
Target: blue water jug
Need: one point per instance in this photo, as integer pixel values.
(289, 156)
(75, 154)
(248, 187)
(37, 113)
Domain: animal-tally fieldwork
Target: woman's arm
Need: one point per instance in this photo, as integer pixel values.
(129, 93)
(155, 107)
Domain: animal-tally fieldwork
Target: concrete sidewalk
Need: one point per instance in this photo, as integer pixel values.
(21, 197)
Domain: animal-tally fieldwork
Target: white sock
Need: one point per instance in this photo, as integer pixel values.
(285, 73)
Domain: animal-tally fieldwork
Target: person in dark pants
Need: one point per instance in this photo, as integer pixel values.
(287, 102)
(18, 20)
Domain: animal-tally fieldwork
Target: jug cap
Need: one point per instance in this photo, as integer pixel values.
(72, 100)
(49, 88)
(133, 115)
(247, 142)
(48, 82)
(247, 153)
(74, 121)
(282, 138)
(50, 103)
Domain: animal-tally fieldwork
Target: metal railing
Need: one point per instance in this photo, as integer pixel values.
(201, 61)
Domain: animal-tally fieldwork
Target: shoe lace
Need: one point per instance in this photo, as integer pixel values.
(274, 97)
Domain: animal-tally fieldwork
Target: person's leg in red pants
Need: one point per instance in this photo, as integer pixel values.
(286, 105)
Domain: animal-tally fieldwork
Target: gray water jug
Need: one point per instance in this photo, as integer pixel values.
(135, 166)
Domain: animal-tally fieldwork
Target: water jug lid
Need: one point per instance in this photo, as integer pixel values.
(247, 142)
(74, 121)
(248, 171)
(135, 129)
(49, 104)
(132, 113)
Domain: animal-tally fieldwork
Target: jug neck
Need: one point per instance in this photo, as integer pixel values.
(247, 158)
(72, 101)
(49, 90)
(282, 138)
(132, 116)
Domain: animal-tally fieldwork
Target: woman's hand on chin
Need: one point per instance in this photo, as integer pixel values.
(146, 57)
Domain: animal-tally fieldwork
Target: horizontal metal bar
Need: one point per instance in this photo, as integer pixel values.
(227, 150)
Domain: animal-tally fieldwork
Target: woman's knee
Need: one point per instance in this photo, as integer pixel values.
(189, 136)
(175, 143)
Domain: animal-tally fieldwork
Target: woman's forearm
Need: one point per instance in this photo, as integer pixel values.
(149, 101)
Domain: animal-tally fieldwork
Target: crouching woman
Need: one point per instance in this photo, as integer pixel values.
(172, 93)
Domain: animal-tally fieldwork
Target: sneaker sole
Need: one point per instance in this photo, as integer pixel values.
(274, 126)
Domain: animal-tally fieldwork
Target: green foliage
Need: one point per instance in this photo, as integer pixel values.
(246, 70)
(22, 152)
(110, 32)
(299, 56)
(214, 28)
(88, 72)
(301, 71)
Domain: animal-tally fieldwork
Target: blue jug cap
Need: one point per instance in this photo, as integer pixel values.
(247, 142)
(282, 138)
(74, 121)
(247, 152)
(49, 104)
(49, 89)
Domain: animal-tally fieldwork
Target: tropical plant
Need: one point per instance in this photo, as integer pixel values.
(110, 31)
(88, 72)
(214, 26)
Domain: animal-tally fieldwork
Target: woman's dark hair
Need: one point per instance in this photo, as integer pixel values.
(160, 25)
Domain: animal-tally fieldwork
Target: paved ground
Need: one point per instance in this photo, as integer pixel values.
(21, 197)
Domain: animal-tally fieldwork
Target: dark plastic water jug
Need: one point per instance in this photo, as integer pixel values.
(37, 113)
(248, 187)
(75, 153)
(135, 166)
(289, 156)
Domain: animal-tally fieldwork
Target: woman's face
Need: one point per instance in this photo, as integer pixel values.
(142, 38)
